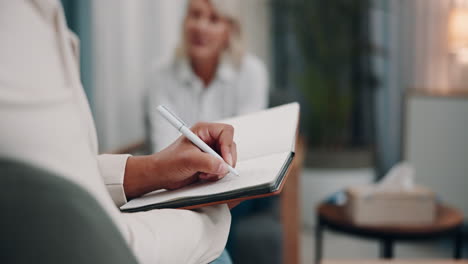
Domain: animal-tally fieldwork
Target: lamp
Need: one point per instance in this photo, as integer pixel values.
(458, 34)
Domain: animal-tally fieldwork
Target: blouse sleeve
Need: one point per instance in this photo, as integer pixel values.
(253, 86)
(112, 168)
(159, 133)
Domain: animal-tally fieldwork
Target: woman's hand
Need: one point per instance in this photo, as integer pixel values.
(182, 162)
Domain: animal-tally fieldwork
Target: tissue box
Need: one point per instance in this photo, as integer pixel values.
(366, 206)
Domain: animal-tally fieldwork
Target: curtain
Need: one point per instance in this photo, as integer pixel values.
(78, 16)
(128, 38)
(412, 53)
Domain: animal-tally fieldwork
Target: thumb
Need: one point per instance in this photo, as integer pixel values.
(203, 162)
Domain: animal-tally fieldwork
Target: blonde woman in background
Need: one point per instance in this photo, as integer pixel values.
(210, 76)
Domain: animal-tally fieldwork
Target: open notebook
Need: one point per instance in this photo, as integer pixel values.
(265, 145)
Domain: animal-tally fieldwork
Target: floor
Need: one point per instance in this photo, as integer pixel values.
(318, 184)
(338, 246)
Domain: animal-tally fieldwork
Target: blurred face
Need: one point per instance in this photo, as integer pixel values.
(206, 32)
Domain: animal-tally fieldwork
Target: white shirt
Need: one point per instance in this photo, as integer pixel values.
(46, 121)
(232, 92)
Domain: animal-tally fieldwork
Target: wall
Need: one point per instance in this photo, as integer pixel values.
(256, 24)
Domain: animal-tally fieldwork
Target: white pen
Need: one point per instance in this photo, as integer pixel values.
(180, 125)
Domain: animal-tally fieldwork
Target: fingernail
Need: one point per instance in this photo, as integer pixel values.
(222, 168)
(229, 158)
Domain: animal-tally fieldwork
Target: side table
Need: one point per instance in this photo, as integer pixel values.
(448, 224)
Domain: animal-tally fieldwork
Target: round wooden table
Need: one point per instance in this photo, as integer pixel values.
(448, 223)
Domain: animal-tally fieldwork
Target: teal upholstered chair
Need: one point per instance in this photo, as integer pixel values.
(45, 218)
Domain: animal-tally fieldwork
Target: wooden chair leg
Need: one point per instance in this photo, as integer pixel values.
(290, 209)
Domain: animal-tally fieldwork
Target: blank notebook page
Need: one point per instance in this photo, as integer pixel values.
(266, 132)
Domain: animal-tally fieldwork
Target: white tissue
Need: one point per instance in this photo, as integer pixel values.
(399, 178)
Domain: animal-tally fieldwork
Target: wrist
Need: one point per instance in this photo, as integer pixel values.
(152, 172)
(140, 172)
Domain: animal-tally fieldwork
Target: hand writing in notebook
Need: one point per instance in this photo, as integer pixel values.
(182, 163)
(266, 150)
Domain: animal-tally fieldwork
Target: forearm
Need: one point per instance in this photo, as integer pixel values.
(127, 176)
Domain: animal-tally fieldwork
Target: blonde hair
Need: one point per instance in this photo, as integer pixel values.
(230, 10)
